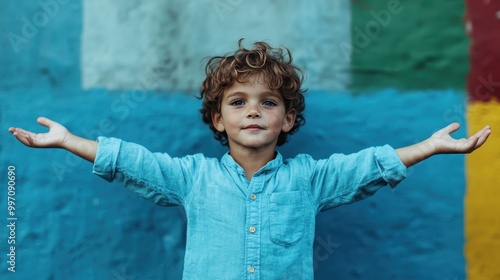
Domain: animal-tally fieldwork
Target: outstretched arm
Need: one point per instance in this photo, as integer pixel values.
(442, 143)
(57, 137)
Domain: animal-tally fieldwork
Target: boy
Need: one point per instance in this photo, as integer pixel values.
(251, 215)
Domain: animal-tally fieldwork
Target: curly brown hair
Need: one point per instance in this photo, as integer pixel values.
(278, 71)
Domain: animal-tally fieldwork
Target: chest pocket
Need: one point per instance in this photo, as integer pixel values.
(286, 218)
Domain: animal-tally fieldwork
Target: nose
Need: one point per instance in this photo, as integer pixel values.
(253, 113)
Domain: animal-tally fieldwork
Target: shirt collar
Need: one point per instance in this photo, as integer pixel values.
(272, 165)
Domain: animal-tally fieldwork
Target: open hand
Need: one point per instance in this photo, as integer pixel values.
(443, 143)
(55, 138)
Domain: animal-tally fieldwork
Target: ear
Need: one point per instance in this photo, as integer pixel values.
(289, 120)
(217, 121)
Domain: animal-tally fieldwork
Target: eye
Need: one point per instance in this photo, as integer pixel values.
(269, 103)
(237, 102)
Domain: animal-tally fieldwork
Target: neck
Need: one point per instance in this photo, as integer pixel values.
(252, 160)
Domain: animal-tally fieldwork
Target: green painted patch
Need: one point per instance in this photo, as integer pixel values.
(410, 44)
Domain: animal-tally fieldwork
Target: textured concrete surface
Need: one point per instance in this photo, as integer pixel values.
(409, 44)
(482, 220)
(73, 225)
(483, 22)
(483, 88)
(122, 40)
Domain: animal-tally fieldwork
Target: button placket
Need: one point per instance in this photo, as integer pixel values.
(252, 237)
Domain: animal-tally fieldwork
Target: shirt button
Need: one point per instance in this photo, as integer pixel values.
(253, 197)
(251, 229)
(251, 269)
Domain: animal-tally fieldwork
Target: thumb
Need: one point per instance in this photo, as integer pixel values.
(452, 127)
(45, 122)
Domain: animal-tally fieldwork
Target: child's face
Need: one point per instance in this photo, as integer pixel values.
(253, 115)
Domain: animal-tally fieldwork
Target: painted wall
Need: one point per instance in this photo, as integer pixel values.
(72, 224)
(181, 35)
(409, 44)
(483, 88)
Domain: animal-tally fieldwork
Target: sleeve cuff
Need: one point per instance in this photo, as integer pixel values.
(106, 157)
(392, 169)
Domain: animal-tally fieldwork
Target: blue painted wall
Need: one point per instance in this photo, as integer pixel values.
(74, 225)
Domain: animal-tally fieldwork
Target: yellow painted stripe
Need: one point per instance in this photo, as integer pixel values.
(482, 202)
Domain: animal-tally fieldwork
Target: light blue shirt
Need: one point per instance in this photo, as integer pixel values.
(240, 229)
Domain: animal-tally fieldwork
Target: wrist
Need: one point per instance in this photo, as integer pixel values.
(428, 147)
(68, 141)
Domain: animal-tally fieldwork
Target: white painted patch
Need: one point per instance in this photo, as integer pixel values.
(162, 44)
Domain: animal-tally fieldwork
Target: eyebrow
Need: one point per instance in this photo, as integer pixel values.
(236, 93)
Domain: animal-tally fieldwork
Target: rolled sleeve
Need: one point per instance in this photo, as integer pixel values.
(392, 170)
(106, 157)
(157, 177)
(343, 179)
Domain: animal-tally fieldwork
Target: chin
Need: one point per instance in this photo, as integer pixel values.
(258, 144)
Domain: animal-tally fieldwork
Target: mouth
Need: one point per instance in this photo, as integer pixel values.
(253, 127)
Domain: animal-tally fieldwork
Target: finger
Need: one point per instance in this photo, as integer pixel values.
(28, 138)
(486, 128)
(483, 137)
(478, 139)
(45, 122)
(451, 127)
(21, 137)
(30, 141)
(481, 132)
(24, 132)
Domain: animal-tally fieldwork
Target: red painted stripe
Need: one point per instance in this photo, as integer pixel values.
(483, 26)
